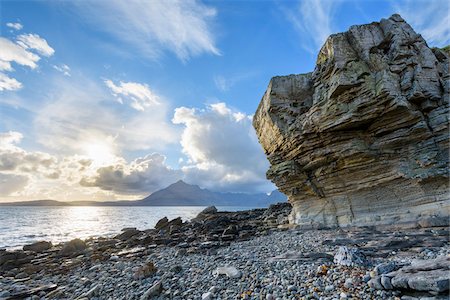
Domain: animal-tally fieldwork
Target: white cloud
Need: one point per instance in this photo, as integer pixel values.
(313, 21)
(34, 41)
(16, 26)
(429, 18)
(140, 94)
(79, 112)
(220, 144)
(11, 52)
(222, 149)
(63, 68)
(180, 26)
(19, 53)
(8, 84)
(8, 139)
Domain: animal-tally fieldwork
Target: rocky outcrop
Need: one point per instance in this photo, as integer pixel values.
(364, 139)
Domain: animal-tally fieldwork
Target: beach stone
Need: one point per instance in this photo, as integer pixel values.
(384, 268)
(153, 291)
(38, 246)
(145, 271)
(375, 283)
(350, 257)
(207, 296)
(386, 282)
(230, 271)
(73, 247)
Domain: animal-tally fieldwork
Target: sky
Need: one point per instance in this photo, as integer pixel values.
(113, 100)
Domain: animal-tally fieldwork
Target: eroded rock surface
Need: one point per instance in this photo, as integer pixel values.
(364, 139)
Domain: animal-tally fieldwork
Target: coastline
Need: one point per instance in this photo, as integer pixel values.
(251, 254)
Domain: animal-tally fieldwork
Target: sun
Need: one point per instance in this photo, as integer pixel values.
(100, 153)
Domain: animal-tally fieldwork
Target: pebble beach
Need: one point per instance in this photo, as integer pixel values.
(276, 262)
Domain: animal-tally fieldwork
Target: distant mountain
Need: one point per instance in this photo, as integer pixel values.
(176, 194)
(183, 194)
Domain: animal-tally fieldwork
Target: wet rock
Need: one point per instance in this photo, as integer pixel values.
(127, 234)
(75, 246)
(176, 223)
(162, 223)
(38, 246)
(210, 210)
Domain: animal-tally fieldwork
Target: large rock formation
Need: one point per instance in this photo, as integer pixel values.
(364, 139)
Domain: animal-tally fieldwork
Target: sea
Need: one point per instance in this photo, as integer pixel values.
(21, 225)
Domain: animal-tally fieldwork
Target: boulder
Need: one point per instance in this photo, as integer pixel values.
(210, 210)
(73, 247)
(364, 138)
(350, 257)
(127, 234)
(38, 246)
(162, 223)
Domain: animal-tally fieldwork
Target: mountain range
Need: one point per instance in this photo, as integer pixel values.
(176, 194)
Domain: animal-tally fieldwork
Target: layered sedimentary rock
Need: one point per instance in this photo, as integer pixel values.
(364, 138)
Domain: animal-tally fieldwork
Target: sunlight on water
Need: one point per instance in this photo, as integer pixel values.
(24, 225)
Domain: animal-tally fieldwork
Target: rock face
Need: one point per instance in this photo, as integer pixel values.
(364, 139)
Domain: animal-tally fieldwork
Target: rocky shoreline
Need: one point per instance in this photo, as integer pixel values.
(251, 254)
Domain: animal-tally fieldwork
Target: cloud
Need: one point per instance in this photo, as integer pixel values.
(313, 21)
(429, 18)
(16, 26)
(12, 52)
(180, 26)
(39, 175)
(141, 176)
(19, 53)
(222, 148)
(140, 94)
(79, 114)
(226, 83)
(8, 84)
(10, 183)
(63, 68)
(35, 42)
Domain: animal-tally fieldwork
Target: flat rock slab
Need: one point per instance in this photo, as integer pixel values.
(295, 256)
(432, 276)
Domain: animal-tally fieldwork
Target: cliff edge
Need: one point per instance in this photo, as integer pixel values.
(364, 138)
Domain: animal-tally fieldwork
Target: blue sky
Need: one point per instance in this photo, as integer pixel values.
(114, 100)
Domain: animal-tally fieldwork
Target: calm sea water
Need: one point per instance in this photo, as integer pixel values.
(23, 225)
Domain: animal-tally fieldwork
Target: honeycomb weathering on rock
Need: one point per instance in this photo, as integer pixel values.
(364, 139)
